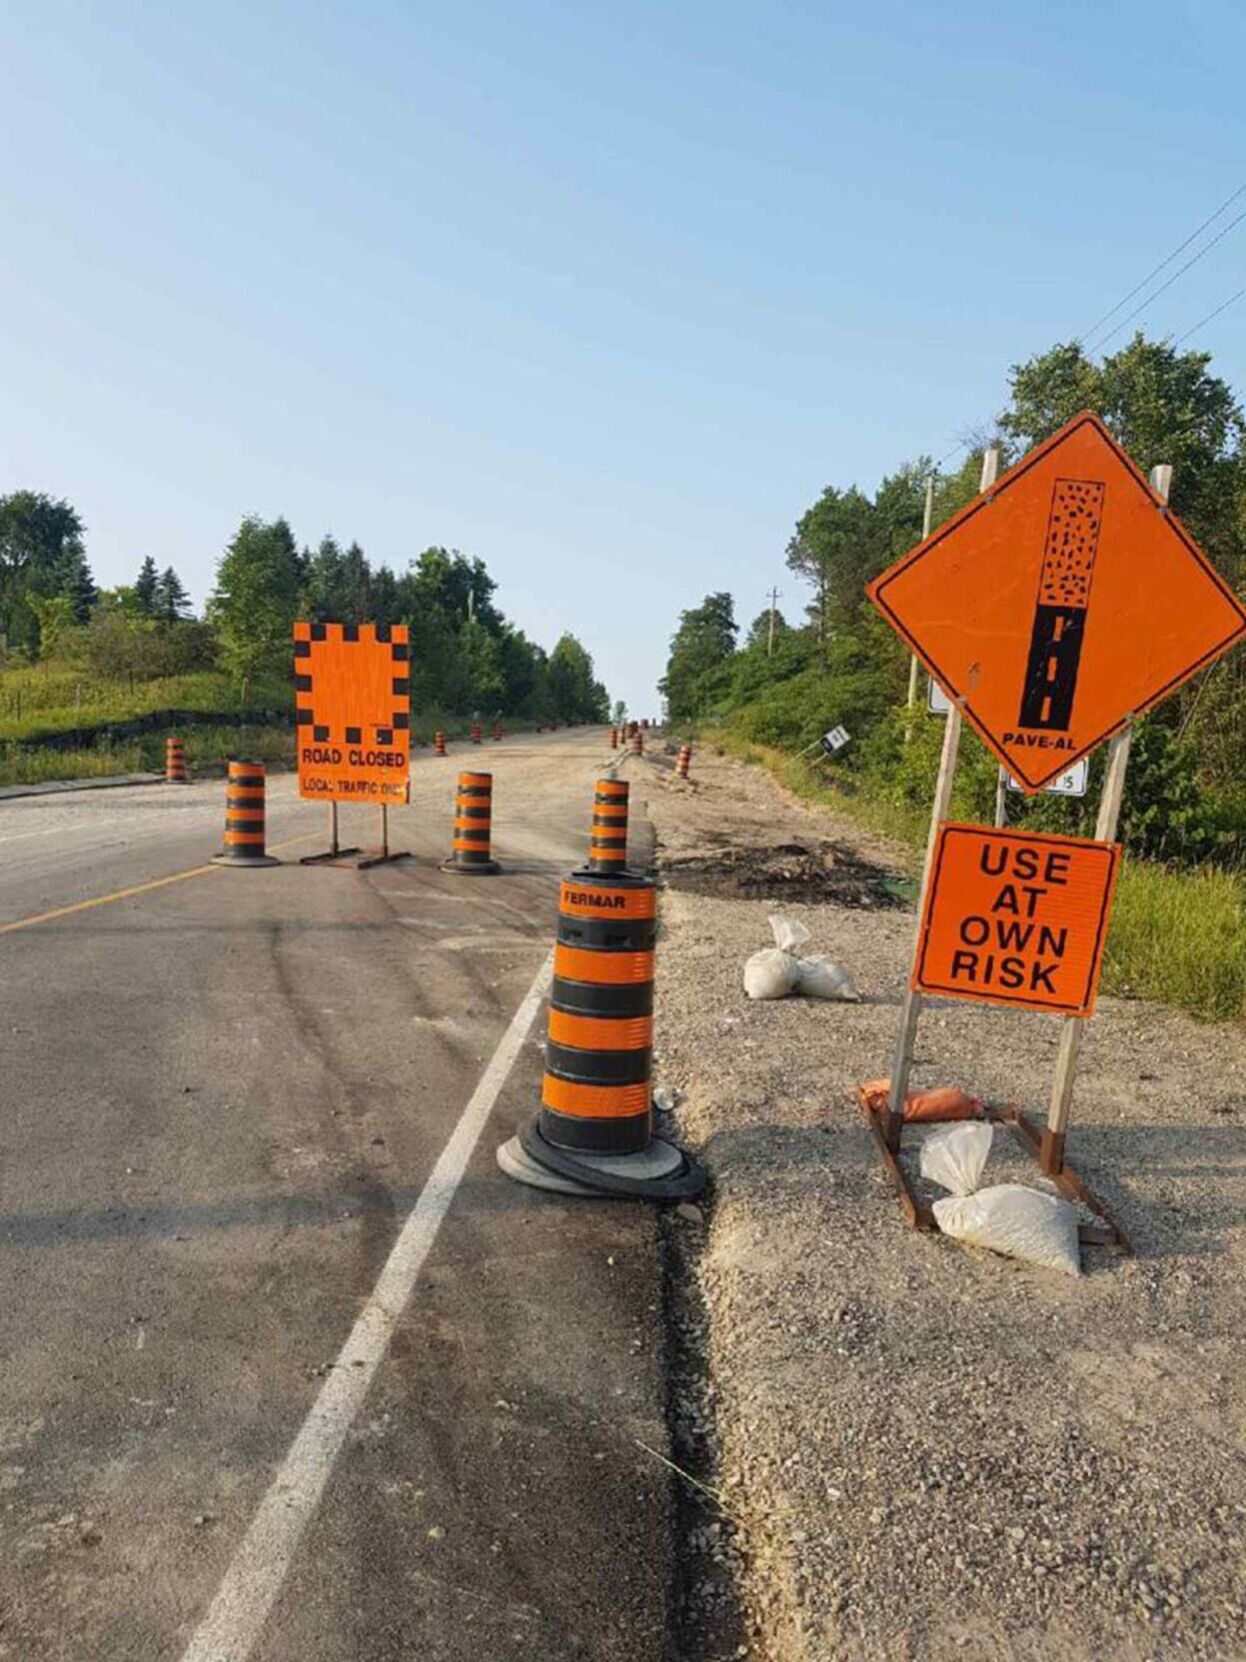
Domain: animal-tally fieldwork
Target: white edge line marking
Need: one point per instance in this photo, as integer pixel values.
(237, 1614)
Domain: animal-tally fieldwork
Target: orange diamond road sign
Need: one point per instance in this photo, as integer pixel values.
(1016, 919)
(1060, 602)
(352, 685)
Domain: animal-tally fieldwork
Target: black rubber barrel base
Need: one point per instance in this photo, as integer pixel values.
(685, 1181)
(245, 860)
(485, 868)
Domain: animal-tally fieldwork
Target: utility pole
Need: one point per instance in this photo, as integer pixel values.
(774, 596)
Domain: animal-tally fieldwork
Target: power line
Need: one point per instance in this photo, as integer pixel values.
(1180, 272)
(1223, 307)
(1138, 288)
(1164, 263)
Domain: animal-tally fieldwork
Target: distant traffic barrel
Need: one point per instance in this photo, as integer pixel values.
(497, 731)
(614, 738)
(175, 762)
(638, 743)
(245, 843)
(475, 732)
(685, 760)
(607, 843)
(473, 825)
(439, 744)
(599, 1051)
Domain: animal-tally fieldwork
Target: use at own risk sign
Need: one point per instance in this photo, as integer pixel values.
(1014, 918)
(352, 685)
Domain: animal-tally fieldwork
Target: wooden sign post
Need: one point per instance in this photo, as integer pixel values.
(1063, 601)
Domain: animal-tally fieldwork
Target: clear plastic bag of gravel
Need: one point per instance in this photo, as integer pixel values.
(955, 1158)
(1019, 1222)
(822, 977)
(778, 970)
(772, 972)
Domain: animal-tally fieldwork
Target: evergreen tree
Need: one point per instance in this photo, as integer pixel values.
(146, 585)
(171, 603)
(77, 585)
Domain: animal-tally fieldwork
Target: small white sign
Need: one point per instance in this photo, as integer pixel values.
(938, 701)
(835, 740)
(1072, 783)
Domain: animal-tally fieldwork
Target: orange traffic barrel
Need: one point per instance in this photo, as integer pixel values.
(175, 762)
(614, 738)
(599, 1053)
(685, 760)
(638, 743)
(473, 824)
(244, 818)
(475, 732)
(439, 744)
(607, 843)
(497, 731)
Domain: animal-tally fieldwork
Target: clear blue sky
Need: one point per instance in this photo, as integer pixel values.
(603, 293)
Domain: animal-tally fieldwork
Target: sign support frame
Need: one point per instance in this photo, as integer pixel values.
(1046, 1144)
(910, 1010)
(333, 852)
(914, 661)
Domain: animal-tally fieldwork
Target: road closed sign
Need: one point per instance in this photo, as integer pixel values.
(1013, 918)
(352, 687)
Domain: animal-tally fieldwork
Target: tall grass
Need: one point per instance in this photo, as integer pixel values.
(1175, 937)
(1179, 938)
(43, 700)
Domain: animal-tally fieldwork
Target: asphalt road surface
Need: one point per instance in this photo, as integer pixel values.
(291, 1372)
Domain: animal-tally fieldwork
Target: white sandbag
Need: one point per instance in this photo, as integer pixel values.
(770, 973)
(788, 934)
(1019, 1222)
(954, 1158)
(822, 977)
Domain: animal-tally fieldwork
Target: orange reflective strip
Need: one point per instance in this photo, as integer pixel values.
(244, 837)
(612, 787)
(595, 1102)
(610, 969)
(600, 1032)
(244, 793)
(462, 845)
(578, 900)
(476, 781)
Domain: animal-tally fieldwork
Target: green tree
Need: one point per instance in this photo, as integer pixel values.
(835, 548)
(576, 694)
(258, 583)
(55, 616)
(1164, 406)
(170, 601)
(698, 669)
(146, 587)
(41, 553)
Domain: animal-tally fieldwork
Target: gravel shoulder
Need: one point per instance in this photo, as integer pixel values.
(923, 1451)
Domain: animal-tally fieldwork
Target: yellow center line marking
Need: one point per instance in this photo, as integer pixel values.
(137, 888)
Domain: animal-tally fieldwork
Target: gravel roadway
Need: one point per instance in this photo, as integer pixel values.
(922, 1450)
